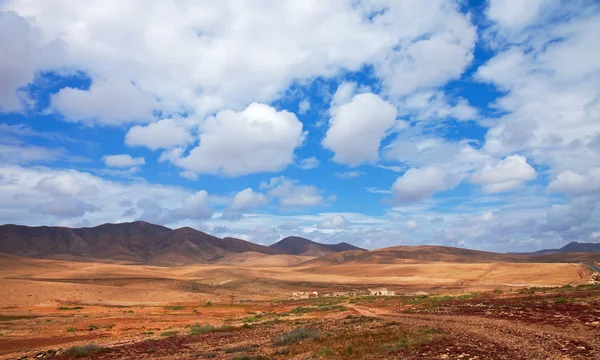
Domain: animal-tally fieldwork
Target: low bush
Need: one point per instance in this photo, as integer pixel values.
(296, 335)
(169, 333)
(85, 350)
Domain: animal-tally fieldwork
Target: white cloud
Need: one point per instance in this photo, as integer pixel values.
(577, 184)
(304, 106)
(357, 128)
(508, 174)
(488, 216)
(42, 196)
(243, 201)
(122, 161)
(419, 184)
(552, 89)
(64, 184)
(595, 235)
(308, 163)
(334, 222)
(350, 174)
(171, 155)
(24, 52)
(292, 194)
(412, 225)
(257, 139)
(515, 13)
(107, 102)
(435, 105)
(430, 61)
(567, 216)
(195, 206)
(166, 133)
(190, 175)
(192, 61)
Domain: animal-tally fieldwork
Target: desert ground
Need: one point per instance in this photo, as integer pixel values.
(242, 308)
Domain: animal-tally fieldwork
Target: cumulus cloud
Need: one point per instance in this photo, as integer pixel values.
(334, 222)
(257, 139)
(357, 128)
(418, 184)
(123, 161)
(577, 184)
(291, 193)
(515, 13)
(243, 201)
(197, 66)
(24, 51)
(508, 174)
(551, 87)
(106, 102)
(166, 133)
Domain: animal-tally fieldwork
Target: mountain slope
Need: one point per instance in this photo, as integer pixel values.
(403, 254)
(136, 241)
(572, 247)
(295, 245)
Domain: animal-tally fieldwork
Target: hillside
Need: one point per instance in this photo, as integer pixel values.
(572, 247)
(295, 245)
(404, 254)
(137, 241)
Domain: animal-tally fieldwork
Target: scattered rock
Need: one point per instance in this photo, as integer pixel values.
(39, 355)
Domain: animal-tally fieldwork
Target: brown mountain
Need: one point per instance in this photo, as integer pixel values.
(136, 241)
(572, 247)
(403, 254)
(295, 245)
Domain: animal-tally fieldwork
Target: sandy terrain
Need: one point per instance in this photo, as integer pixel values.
(51, 304)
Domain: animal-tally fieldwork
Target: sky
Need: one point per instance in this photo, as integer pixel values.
(377, 122)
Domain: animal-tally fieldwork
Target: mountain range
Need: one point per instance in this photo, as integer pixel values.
(140, 241)
(143, 242)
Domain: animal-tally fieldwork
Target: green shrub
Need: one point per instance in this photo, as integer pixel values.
(201, 329)
(296, 335)
(174, 307)
(72, 329)
(92, 327)
(69, 308)
(86, 350)
(169, 333)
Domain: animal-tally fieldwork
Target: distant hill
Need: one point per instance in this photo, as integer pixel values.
(404, 254)
(572, 247)
(295, 245)
(136, 241)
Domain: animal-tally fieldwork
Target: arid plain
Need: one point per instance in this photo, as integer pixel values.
(448, 303)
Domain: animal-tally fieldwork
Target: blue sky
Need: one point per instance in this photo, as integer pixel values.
(380, 123)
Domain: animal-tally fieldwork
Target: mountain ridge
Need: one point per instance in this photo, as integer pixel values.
(137, 241)
(296, 245)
